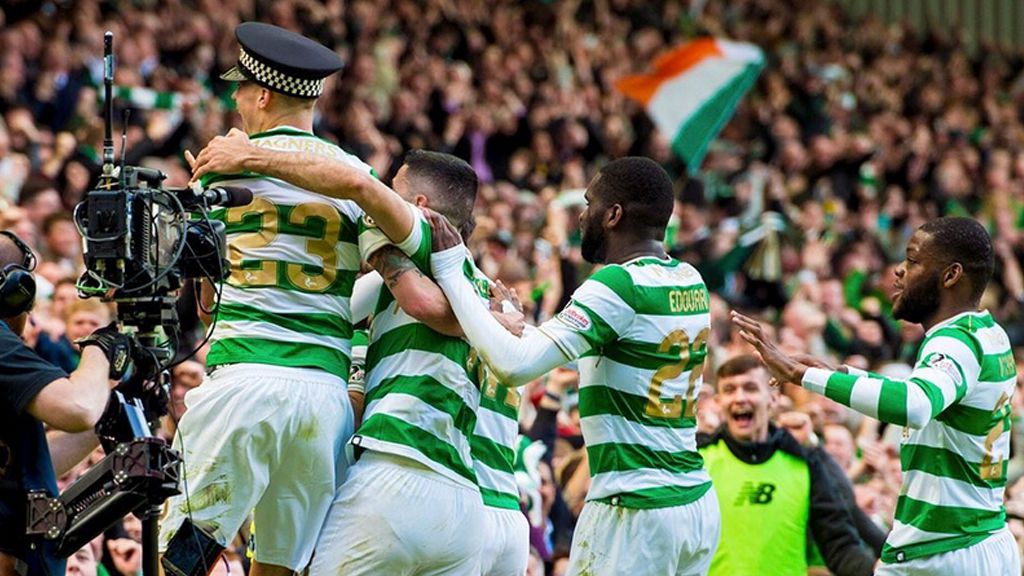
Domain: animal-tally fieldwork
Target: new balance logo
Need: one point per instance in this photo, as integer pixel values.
(752, 493)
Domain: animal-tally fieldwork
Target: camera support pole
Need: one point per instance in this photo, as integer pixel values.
(150, 540)
(150, 515)
(108, 109)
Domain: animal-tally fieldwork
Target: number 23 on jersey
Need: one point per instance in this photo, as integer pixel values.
(318, 223)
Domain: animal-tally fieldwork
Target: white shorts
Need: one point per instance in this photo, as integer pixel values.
(996, 555)
(263, 439)
(680, 541)
(506, 542)
(397, 517)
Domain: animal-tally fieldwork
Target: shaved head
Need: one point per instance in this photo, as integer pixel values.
(10, 253)
(24, 292)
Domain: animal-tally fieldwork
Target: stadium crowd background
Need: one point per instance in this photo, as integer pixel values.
(847, 143)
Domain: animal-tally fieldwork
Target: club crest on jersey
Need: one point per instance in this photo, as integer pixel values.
(368, 222)
(946, 365)
(575, 317)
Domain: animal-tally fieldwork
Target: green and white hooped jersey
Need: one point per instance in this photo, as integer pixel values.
(640, 330)
(294, 258)
(421, 400)
(495, 438)
(954, 468)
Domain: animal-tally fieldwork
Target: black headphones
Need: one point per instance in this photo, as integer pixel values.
(17, 286)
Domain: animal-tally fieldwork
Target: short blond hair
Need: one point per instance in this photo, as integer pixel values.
(284, 102)
(91, 305)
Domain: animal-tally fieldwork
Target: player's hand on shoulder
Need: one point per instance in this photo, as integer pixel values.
(443, 234)
(513, 321)
(507, 309)
(504, 299)
(223, 155)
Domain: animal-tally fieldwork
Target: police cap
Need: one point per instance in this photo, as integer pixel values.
(281, 60)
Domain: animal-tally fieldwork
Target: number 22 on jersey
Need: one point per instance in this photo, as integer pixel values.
(658, 407)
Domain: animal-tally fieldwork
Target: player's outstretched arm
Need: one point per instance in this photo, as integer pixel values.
(940, 378)
(515, 361)
(235, 154)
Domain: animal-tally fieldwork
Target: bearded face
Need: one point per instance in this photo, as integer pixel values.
(593, 245)
(594, 239)
(918, 282)
(919, 299)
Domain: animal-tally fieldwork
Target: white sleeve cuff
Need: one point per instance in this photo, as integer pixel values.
(816, 380)
(855, 371)
(370, 241)
(412, 242)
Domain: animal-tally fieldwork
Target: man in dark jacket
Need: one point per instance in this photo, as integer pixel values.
(34, 393)
(772, 491)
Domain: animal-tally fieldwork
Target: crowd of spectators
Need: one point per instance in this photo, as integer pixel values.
(846, 144)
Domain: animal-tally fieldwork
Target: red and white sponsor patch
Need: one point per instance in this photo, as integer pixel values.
(945, 364)
(574, 316)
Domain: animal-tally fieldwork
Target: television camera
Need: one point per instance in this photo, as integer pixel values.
(142, 240)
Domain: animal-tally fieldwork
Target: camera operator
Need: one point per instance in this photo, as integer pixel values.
(34, 392)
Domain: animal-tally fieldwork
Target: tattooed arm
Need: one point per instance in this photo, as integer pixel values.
(417, 294)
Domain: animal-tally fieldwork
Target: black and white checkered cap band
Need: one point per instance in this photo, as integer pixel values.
(279, 81)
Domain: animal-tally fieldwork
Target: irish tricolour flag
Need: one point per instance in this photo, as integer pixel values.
(693, 90)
